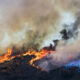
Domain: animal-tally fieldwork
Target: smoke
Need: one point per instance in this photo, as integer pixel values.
(68, 49)
(36, 23)
(26, 23)
(63, 55)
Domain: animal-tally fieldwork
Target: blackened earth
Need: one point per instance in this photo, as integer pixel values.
(19, 69)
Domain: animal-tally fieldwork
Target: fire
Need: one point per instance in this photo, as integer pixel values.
(38, 55)
(6, 57)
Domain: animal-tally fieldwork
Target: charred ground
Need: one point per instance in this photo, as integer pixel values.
(20, 69)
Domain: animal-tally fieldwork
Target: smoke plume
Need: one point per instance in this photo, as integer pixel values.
(26, 23)
(68, 48)
(36, 23)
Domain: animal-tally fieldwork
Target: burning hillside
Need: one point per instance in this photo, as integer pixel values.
(44, 34)
(19, 68)
(38, 55)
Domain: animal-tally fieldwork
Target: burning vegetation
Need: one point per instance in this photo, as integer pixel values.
(38, 55)
(38, 22)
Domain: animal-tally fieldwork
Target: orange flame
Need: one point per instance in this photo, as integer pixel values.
(38, 55)
(6, 57)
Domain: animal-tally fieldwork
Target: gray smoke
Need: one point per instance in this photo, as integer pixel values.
(67, 49)
(36, 23)
(26, 22)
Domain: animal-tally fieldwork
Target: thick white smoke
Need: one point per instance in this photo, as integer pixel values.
(66, 50)
(26, 23)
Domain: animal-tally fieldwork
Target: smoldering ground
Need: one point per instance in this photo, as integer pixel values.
(31, 23)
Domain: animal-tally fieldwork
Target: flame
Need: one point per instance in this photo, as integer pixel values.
(38, 55)
(6, 57)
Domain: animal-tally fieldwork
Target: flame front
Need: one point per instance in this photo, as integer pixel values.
(38, 55)
(7, 57)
